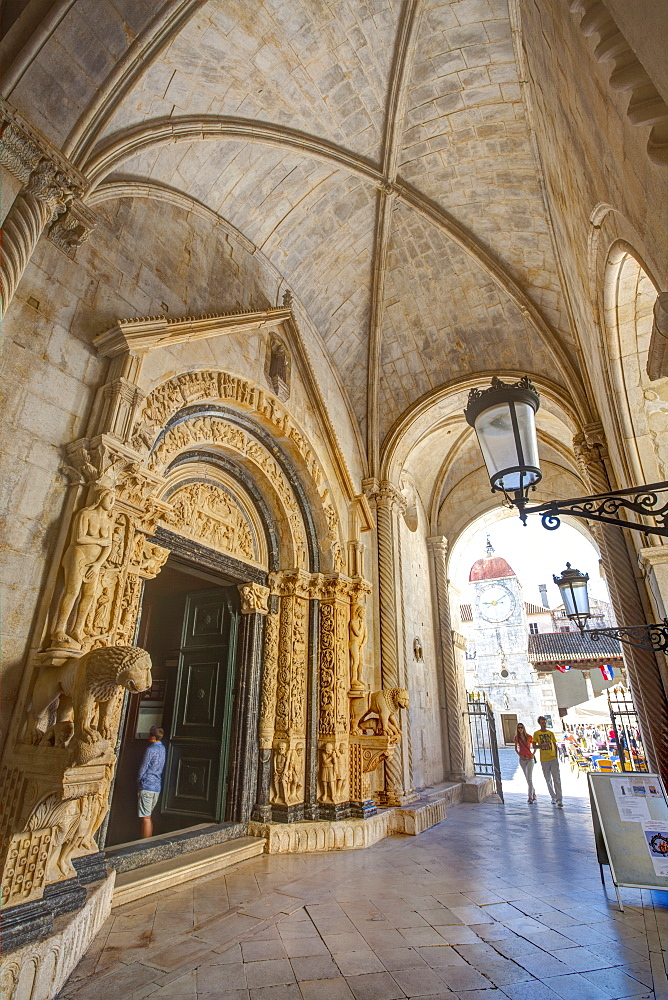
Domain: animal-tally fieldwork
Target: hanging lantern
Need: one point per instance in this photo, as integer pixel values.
(572, 586)
(503, 418)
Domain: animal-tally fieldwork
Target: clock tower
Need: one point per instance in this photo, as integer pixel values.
(500, 633)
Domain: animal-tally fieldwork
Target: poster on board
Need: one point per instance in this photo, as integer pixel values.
(630, 815)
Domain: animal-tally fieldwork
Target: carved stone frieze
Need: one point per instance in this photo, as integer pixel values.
(254, 598)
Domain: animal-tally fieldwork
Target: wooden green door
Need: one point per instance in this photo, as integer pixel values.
(196, 768)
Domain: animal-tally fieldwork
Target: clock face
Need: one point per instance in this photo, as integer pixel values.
(495, 603)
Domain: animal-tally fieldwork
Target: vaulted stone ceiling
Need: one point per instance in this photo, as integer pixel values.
(377, 152)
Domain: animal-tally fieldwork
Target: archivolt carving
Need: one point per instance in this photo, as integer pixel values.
(215, 430)
(167, 399)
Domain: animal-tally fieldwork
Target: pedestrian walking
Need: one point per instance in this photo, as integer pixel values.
(545, 741)
(527, 756)
(149, 779)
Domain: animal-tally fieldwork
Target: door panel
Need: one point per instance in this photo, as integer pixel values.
(509, 723)
(195, 773)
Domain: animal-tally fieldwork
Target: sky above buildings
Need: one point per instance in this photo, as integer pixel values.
(534, 553)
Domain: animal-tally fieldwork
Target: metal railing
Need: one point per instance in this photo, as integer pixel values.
(483, 738)
(626, 727)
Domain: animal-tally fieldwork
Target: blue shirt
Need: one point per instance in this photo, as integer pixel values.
(152, 766)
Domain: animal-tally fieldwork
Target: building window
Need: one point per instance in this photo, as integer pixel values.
(533, 628)
(564, 628)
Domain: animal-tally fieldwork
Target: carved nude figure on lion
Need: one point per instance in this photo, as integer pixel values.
(385, 704)
(82, 688)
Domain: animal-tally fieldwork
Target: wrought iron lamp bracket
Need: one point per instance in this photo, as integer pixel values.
(645, 500)
(655, 635)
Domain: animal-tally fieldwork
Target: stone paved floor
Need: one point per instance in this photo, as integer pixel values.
(499, 901)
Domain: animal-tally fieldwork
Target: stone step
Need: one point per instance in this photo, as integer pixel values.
(160, 875)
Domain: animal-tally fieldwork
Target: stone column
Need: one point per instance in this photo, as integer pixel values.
(454, 702)
(289, 744)
(267, 721)
(49, 186)
(390, 504)
(334, 685)
(648, 689)
(245, 739)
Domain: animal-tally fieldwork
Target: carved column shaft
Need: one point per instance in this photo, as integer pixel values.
(334, 684)
(289, 745)
(453, 681)
(388, 502)
(247, 699)
(644, 673)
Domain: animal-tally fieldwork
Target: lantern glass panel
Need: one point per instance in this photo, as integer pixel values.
(509, 447)
(575, 597)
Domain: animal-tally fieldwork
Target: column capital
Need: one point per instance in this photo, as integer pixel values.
(437, 543)
(590, 445)
(254, 598)
(23, 149)
(293, 583)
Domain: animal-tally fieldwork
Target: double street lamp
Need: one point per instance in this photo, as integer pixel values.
(504, 419)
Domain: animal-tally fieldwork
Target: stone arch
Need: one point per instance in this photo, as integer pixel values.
(189, 411)
(629, 296)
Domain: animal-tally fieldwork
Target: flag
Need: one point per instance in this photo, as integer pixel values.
(607, 671)
(564, 669)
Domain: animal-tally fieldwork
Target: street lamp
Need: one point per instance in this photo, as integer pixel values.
(572, 586)
(503, 417)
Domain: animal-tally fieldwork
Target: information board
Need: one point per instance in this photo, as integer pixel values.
(630, 814)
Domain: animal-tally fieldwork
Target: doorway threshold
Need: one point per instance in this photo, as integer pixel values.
(165, 846)
(144, 881)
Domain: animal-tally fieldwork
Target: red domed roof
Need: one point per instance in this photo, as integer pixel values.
(491, 567)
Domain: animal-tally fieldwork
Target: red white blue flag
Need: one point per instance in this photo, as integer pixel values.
(607, 671)
(563, 669)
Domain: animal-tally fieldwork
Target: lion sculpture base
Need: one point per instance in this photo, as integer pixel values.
(84, 694)
(384, 705)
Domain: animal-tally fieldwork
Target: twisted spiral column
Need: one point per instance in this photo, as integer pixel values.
(644, 674)
(47, 191)
(453, 680)
(388, 502)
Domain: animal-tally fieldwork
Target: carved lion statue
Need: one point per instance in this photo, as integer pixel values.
(385, 704)
(80, 686)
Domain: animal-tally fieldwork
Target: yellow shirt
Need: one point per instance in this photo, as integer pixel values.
(546, 743)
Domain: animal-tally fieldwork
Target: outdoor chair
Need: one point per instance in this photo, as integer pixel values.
(606, 765)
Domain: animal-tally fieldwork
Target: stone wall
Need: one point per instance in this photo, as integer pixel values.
(51, 370)
(421, 658)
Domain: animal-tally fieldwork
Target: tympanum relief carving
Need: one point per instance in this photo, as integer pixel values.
(206, 512)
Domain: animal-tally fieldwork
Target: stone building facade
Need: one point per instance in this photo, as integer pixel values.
(254, 257)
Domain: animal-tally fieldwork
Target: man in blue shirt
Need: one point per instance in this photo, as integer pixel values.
(149, 779)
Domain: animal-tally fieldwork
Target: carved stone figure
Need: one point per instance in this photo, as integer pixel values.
(89, 548)
(286, 780)
(341, 772)
(80, 686)
(328, 772)
(358, 636)
(385, 704)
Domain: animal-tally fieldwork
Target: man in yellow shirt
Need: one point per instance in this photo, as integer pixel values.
(544, 740)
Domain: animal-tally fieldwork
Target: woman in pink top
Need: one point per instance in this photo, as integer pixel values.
(523, 749)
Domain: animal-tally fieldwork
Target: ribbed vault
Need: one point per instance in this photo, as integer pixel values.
(375, 152)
